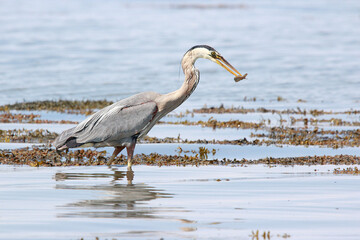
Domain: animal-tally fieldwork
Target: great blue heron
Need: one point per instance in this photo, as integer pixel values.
(121, 124)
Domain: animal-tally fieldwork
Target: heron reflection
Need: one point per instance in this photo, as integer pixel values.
(119, 199)
(116, 175)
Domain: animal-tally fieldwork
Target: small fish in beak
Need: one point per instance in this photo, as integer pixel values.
(240, 77)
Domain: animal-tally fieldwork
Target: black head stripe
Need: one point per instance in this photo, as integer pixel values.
(202, 46)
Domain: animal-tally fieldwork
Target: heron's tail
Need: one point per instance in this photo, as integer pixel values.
(66, 139)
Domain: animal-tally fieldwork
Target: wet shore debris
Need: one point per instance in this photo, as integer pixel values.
(349, 170)
(314, 112)
(27, 136)
(336, 133)
(311, 137)
(88, 106)
(8, 117)
(47, 157)
(306, 122)
(213, 123)
(273, 136)
(64, 106)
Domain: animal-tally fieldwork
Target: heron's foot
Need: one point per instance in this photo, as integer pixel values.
(130, 176)
(129, 165)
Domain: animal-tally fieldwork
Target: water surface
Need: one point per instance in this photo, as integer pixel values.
(178, 203)
(113, 49)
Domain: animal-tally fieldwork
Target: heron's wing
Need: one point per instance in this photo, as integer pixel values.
(116, 122)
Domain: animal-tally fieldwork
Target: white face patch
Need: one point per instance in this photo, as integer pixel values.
(202, 53)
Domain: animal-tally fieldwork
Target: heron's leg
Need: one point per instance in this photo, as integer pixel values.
(115, 153)
(130, 153)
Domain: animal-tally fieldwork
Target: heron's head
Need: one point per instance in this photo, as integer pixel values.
(207, 52)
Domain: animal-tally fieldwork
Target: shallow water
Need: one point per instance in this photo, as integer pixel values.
(178, 203)
(81, 50)
(112, 49)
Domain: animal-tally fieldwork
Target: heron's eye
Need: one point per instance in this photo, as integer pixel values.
(213, 54)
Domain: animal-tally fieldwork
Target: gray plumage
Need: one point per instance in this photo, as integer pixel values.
(113, 125)
(122, 123)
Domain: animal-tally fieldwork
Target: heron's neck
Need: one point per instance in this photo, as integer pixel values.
(170, 101)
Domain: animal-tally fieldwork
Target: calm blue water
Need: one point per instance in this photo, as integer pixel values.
(82, 49)
(306, 202)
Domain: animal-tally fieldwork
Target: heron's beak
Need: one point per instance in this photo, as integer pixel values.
(225, 64)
